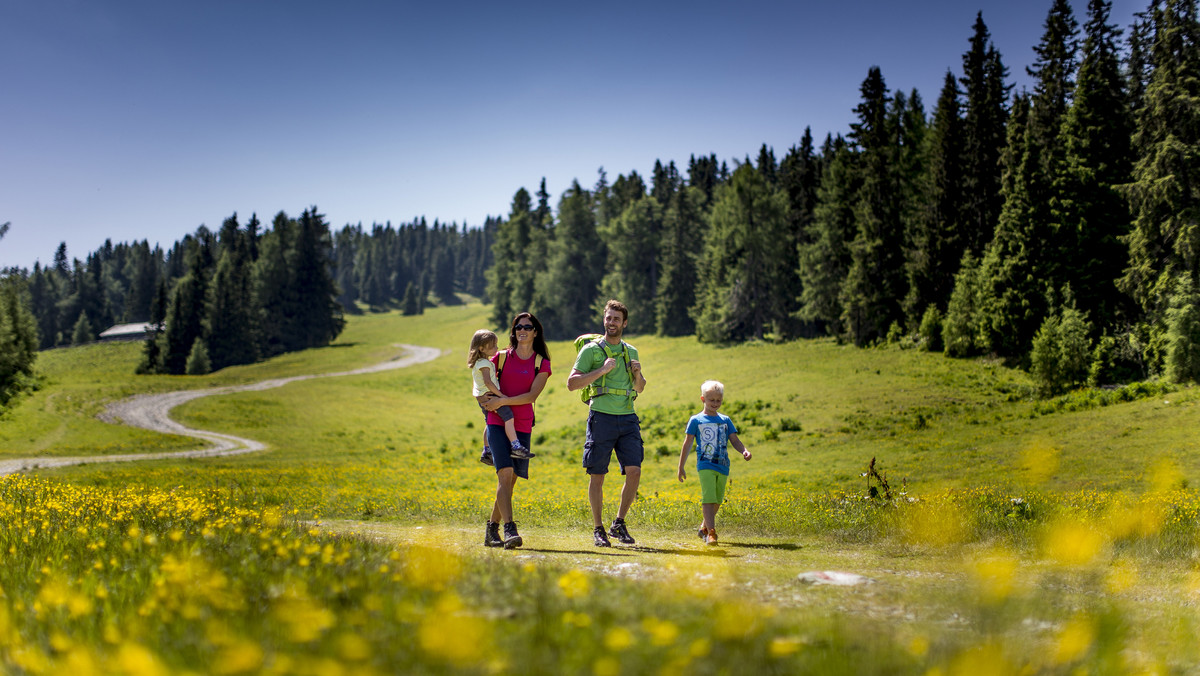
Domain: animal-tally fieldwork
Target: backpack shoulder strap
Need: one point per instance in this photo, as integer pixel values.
(537, 363)
(500, 358)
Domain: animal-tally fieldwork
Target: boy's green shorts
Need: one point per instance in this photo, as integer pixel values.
(712, 486)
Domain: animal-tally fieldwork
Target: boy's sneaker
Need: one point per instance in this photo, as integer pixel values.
(519, 451)
(711, 537)
(511, 539)
(601, 537)
(486, 456)
(491, 537)
(620, 532)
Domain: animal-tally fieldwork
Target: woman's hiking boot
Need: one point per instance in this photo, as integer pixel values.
(491, 536)
(601, 537)
(620, 532)
(512, 540)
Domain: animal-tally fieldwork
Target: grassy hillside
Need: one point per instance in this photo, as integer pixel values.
(1032, 537)
(403, 443)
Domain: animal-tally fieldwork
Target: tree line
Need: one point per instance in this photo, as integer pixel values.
(1055, 227)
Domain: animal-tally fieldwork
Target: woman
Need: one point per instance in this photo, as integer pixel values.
(522, 375)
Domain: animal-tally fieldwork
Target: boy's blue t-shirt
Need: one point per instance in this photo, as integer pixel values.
(712, 437)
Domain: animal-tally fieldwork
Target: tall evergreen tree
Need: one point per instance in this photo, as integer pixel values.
(1093, 216)
(231, 314)
(567, 287)
(18, 336)
(631, 268)
(825, 256)
(509, 286)
(1164, 195)
(936, 238)
(875, 283)
(742, 259)
(185, 318)
(984, 121)
(683, 235)
(320, 315)
(800, 179)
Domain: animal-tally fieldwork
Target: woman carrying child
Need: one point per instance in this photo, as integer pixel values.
(485, 386)
(522, 370)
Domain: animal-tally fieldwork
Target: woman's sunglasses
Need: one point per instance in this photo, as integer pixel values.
(523, 327)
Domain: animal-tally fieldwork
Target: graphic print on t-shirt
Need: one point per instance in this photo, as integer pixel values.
(711, 444)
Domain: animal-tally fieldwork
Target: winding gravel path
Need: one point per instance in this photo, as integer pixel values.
(152, 412)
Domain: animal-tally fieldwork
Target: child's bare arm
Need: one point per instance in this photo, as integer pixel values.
(489, 381)
(683, 454)
(737, 443)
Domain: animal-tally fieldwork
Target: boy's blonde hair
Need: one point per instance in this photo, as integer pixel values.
(480, 340)
(710, 385)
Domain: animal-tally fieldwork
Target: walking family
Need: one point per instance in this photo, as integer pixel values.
(608, 375)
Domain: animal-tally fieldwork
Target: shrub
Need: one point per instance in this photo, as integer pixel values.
(931, 329)
(1061, 352)
(197, 361)
(1183, 335)
(958, 330)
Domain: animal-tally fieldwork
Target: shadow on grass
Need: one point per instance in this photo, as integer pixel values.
(633, 551)
(784, 547)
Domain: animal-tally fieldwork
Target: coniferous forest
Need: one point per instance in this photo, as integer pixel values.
(1056, 227)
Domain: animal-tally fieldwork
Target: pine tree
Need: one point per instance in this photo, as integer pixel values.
(825, 256)
(1015, 274)
(274, 294)
(152, 349)
(633, 241)
(683, 232)
(1183, 334)
(1164, 195)
(18, 337)
(567, 288)
(742, 259)
(230, 312)
(936, 242)
(320, 318)
(185, 318)
(800, 179)
(1092, 215)
(984, 122)
(875, 284)
(507, 279)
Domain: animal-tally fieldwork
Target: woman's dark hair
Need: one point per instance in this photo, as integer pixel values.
(539, 341)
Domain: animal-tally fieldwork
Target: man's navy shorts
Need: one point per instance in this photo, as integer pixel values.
(607, 432)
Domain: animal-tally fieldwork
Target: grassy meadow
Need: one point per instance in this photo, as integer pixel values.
(1022, 536)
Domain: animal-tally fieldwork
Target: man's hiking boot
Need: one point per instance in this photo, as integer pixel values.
(711, 537)
(486, 456)
(491, 536)
(511, 539)
(520, 452)
(600, 537)
(703, 532)
(620, 532)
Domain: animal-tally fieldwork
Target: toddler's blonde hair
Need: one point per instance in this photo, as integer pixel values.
(480, 340)
(710, 385)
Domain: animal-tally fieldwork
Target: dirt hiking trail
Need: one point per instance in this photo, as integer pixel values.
(152, 412)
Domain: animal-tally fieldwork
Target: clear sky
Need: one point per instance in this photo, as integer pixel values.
(143, 119)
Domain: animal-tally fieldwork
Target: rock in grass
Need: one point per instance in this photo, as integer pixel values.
(833, 577)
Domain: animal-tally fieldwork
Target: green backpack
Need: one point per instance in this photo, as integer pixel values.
(598, 388)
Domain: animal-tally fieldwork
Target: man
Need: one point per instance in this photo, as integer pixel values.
(611, 367)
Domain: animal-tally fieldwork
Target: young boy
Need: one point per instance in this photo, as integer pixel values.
(714, 430)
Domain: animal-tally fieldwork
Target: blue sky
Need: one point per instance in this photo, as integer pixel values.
(139, 119)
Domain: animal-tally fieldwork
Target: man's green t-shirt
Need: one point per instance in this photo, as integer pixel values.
(592, 357)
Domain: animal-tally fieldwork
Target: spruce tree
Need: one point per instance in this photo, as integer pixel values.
(18, 337)
(825, 255)
(633, 241)
(683, 233)
(800, 179)
(1092, 215)
(984, 122)
(230, 312)
(567, 287)
(875, 284)
(936, 241)
(742, 259)
(1164, 194)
